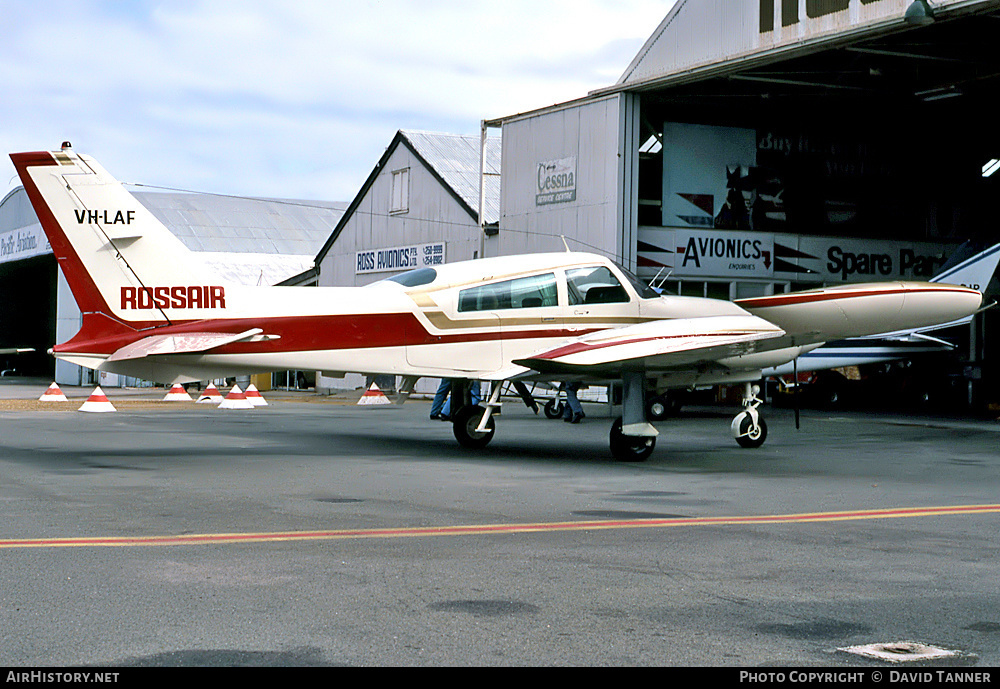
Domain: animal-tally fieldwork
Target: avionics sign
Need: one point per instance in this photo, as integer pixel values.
(790, 10)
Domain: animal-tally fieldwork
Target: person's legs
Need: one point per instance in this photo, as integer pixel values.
(574, 410)
(437, 406)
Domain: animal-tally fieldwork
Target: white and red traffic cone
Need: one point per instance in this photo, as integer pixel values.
(211, 394)
(177, 394)
(374, 396)
(236, 399)
(53, 394)
(97, 402)
(254, 396)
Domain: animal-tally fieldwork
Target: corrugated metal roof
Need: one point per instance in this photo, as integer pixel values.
(456, 159)
(206, 222)
(245, 240)
(254, 269)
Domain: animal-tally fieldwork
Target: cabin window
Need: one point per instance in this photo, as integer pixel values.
(594, 285)
(520, 293)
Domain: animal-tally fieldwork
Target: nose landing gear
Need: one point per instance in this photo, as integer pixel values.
(749, 427)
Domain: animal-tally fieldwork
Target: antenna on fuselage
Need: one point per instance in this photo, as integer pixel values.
(563, 238)
(652, 283)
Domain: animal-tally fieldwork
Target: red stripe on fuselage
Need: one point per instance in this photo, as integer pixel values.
(577, 347)
(812, 297)
(311, 333)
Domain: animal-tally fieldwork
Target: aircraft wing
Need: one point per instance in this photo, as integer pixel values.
(661, 344)
(186, 343)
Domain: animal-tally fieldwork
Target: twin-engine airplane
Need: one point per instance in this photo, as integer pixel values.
(151, 311)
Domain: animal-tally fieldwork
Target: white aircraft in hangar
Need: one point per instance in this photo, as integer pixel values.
(151, 311)
(975, 272)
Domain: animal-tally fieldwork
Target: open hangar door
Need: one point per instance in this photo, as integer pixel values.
(887, 141)
(28, 316)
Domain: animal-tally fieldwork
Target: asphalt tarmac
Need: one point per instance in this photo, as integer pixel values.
(316, 533)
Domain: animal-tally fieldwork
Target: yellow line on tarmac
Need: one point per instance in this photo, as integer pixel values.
(486, 529)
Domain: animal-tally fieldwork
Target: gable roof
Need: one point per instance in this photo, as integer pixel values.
(454, 160)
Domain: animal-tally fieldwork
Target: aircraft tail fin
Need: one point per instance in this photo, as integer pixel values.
(975, 272)
(122, 264)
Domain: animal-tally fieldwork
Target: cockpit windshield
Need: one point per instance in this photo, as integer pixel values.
(413, 278)
(644, 290)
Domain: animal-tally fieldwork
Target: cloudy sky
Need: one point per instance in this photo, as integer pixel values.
(289, 99)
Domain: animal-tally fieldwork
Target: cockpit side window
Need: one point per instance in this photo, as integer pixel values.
(594, 285)
(520, 293)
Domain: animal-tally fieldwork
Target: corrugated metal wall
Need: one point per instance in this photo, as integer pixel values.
(589, 133)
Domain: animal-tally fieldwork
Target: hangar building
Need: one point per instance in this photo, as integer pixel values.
(762, 146)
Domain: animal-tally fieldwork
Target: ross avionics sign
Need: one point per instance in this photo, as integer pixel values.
(399, 258)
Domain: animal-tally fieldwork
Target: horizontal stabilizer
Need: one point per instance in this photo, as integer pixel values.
(184, 343)
(657, 344)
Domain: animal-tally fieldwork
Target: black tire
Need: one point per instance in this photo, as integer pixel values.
(747, 439)
(626, 448)
(830, 390)
(554, 409)
(464, 424)
(661, 407)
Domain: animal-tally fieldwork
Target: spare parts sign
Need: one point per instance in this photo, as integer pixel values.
(722, 254)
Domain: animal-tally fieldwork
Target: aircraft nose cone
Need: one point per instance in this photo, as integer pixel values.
(934, 303)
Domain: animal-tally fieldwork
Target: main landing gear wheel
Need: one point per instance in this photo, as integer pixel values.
(628, 448)
(747, 432)
(554, 409)
(465, 423)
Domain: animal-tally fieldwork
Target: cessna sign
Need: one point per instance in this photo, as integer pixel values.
(556, 182)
